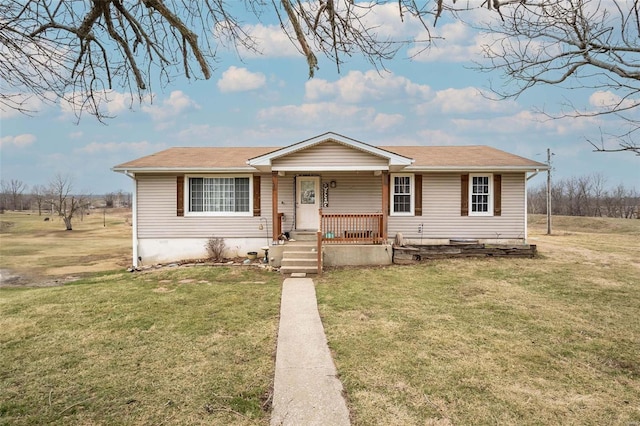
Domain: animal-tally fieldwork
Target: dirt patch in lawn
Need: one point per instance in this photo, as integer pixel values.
(13, 279)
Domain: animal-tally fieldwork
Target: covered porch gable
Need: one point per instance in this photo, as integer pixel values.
(330, 152)
(330, 174)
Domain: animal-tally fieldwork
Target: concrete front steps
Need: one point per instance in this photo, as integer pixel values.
(300, 256)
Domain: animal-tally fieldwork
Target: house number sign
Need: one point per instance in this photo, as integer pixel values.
(325, 195)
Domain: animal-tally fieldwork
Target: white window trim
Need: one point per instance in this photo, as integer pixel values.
(412, 195)
(489, 211)
(187, 196)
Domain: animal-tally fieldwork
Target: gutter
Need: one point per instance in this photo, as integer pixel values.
(533, 175)
(134, 218)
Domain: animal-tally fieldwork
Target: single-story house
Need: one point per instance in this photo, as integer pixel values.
(356, 197)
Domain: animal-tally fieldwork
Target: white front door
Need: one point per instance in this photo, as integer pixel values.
(307, 202)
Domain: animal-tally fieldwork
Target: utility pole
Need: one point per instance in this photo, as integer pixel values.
(549, 192)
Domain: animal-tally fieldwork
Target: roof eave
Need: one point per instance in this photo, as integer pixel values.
(245, 169)
(532, 168)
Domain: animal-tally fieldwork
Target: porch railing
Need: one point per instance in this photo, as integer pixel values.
(365, 228)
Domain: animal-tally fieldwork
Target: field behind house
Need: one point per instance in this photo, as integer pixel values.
(551, 340)
(38, 252)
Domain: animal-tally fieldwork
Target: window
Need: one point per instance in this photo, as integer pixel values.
(480, 195)
(402, 195)
(224, 195)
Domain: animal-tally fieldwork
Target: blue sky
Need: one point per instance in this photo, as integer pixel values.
(435, 98)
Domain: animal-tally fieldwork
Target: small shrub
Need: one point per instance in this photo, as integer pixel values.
(215, 248)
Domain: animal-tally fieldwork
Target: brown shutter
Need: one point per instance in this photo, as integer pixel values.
(256, 196)
(497, 195)
(417, 210)
(180, 195)
(387, 182)
(464, 200)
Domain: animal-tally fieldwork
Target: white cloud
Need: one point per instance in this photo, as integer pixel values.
(465, 101)
(439, 137)
(357, 87)
(316, 113)
(453, 42)
(19, 141)
(606, 100)
(28, 103)
(270, 41)
(109, 102)
(523, 122)
(385, 22)
(236, 79)
(110, 147)
(176, 104)
(384, 122)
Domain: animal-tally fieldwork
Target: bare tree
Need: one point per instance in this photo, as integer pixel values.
(586, 196)
(39, 195)
(15, 189)
(109, 198)
(64, 203)
(4, 196)
(81, 50)
(574, 44)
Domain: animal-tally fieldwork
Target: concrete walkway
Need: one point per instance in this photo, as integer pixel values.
(306, 390)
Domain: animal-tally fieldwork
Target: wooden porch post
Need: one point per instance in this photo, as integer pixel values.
(274, 206)
(385, 204)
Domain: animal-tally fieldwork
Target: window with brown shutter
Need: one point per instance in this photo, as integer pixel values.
(464, 199)
(497, 195)
(481, 195)
(180, 195)
(418, 195)
(256, 195)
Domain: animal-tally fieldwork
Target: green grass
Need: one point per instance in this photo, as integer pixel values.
(178, 346)
(552, 340)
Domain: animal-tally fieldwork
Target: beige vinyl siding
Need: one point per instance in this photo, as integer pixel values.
(441, 217)
(357, 192)
(329, 154)
(157, 217)
(286, 203)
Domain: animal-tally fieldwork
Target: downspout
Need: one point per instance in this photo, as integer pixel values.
(134, 217)
(526, 205)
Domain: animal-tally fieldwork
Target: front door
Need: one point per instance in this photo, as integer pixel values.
(307, 202)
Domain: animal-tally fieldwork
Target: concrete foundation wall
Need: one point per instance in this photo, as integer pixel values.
(153, 250)
(357, 255)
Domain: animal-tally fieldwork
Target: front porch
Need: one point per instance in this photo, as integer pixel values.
(345, 208)
(345, 231)
(301, 254)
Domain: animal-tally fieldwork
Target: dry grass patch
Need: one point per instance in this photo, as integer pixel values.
(147, 348)
(38, 250)
(552, 340)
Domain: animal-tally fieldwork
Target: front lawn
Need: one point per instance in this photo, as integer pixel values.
(552, 340)
(177, 346)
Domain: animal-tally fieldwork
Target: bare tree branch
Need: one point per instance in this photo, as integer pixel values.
(573, 44)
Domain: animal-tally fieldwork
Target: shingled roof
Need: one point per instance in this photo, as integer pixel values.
(235, 158)
(475, 156)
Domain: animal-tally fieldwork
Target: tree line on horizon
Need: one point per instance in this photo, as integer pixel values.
(57, 197)
(586, 195)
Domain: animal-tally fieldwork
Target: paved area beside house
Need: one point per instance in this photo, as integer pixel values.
(306, 390)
